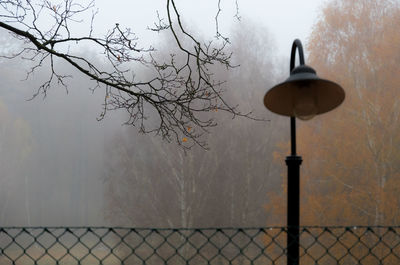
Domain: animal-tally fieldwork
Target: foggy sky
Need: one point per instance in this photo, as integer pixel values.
(285, 19)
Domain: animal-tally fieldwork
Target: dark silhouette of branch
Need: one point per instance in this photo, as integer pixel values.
(178, 93)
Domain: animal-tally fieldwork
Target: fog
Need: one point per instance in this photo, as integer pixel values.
(63, 167)
(52, 175)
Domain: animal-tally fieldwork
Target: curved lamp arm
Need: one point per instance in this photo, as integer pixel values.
(296, 44)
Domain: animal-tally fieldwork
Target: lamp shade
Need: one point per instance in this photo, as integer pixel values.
(304, 95)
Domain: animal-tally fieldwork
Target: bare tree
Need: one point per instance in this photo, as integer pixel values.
(178, 91)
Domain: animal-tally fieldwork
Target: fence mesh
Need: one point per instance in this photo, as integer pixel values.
(106, 246)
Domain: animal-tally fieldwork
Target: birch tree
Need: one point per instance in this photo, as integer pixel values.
(153, 183)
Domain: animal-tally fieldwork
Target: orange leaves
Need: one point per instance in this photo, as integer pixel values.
(350, 155)
(185, 139)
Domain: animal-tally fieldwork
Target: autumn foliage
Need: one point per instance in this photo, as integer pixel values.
(351, 169)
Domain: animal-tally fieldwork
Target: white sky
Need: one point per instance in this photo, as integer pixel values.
(285, 19)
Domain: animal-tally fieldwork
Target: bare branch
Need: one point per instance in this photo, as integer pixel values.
(178, 94)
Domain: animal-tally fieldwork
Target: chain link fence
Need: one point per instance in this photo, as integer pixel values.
(219, 246)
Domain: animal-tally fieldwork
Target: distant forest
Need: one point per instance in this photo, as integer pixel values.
(60, 166)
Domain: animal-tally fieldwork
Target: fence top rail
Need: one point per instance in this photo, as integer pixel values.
(198, 228)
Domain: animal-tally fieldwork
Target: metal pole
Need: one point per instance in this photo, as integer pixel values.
(293, 200)
(293, 163)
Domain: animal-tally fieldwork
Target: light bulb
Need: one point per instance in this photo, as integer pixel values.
(304, 104)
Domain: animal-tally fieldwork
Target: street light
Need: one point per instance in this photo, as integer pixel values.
(302, 95)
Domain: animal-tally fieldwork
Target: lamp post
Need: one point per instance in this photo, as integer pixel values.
(302, 95)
